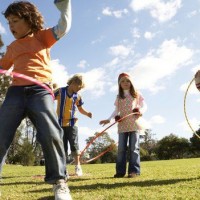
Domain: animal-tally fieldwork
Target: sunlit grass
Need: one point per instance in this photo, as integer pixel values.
(164, 180)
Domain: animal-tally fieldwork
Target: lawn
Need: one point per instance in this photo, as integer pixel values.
(163, 180)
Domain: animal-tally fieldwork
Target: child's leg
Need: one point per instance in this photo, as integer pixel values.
(11, 115)
(49, 133)
(134, 146)
(73, 140)
(121, 155)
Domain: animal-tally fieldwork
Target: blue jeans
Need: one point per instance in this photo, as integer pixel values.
(134, 159)
(36, 103)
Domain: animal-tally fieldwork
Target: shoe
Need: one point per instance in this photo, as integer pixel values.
(61, 191)
(132, 175)
(118, 175)
(78, 170)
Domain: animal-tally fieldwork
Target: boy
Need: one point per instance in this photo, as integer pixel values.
(68, 102)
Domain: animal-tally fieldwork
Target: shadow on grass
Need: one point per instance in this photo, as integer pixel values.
(149, 183)
(47, 198)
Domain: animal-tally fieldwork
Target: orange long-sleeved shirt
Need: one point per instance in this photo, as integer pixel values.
(30, 56)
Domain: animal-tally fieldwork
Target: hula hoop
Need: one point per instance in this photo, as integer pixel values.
(194, 132)
(101, 154)
(18, 75)
(101, 133)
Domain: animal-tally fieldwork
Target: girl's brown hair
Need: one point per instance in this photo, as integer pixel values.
(27, 11)
(133, 91)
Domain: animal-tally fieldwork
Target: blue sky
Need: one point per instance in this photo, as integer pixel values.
(156, 41)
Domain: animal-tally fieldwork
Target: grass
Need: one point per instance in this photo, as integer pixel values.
(163, 180)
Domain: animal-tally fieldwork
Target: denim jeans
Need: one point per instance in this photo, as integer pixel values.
(36, 103)
(134, 156)
(71, 136)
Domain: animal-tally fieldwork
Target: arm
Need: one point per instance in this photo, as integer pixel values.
(84, 112)
(64, 23)
(141, 104)
(106, 121)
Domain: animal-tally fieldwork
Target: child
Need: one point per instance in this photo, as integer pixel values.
(68, 101)
(128, 100)
(30, 55)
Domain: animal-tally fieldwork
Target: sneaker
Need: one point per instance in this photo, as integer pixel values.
(78, 170)
(132, 175)
(118, 175)
(61, 191)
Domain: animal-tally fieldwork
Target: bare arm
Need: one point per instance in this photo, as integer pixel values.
(84, 112)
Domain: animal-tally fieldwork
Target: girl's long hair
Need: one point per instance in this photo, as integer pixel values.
(133, 91)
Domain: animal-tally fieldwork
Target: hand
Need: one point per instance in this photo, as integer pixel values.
(89, 114)
(137, 110)
(117, 118)
(104, 122)
(197, 79)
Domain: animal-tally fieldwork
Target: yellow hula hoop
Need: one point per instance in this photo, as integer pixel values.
(194, 132)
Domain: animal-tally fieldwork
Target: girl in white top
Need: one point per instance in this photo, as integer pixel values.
(128, 100)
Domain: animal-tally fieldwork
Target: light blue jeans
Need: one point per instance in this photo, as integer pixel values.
(36, 103)
(134, 146)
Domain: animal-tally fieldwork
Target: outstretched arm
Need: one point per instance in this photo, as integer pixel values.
(84, 112)
(64, 23)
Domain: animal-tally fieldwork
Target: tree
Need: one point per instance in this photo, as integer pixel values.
(172, 147)
(195, 144)
(99, 145)
(148, 145)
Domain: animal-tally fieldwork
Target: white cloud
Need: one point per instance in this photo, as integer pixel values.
(95, 81)
(116, 13)
(157, 119)
(154, 120)
(193, 13)
(191, 88)
(195, 69)
(149, 35)
(120, 50)
(193, 124)
(159, 64)
(2, 29)
(135, 33)
(59, 73)
(82, 64)
(158, 9)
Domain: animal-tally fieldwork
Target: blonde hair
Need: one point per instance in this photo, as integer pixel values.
(78, 79)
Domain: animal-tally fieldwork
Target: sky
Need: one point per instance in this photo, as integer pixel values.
(155, 41)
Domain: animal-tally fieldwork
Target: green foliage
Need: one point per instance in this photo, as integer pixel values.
(172, 147)
(100, 145)
(148, 145)
(195, 144)
(26, 154)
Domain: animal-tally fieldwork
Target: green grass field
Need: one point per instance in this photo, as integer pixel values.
(164, 180)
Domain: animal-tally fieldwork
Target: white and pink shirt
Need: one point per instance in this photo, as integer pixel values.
(124, 107)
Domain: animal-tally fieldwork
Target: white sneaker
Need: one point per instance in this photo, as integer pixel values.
(61, 191)
(78, 170)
